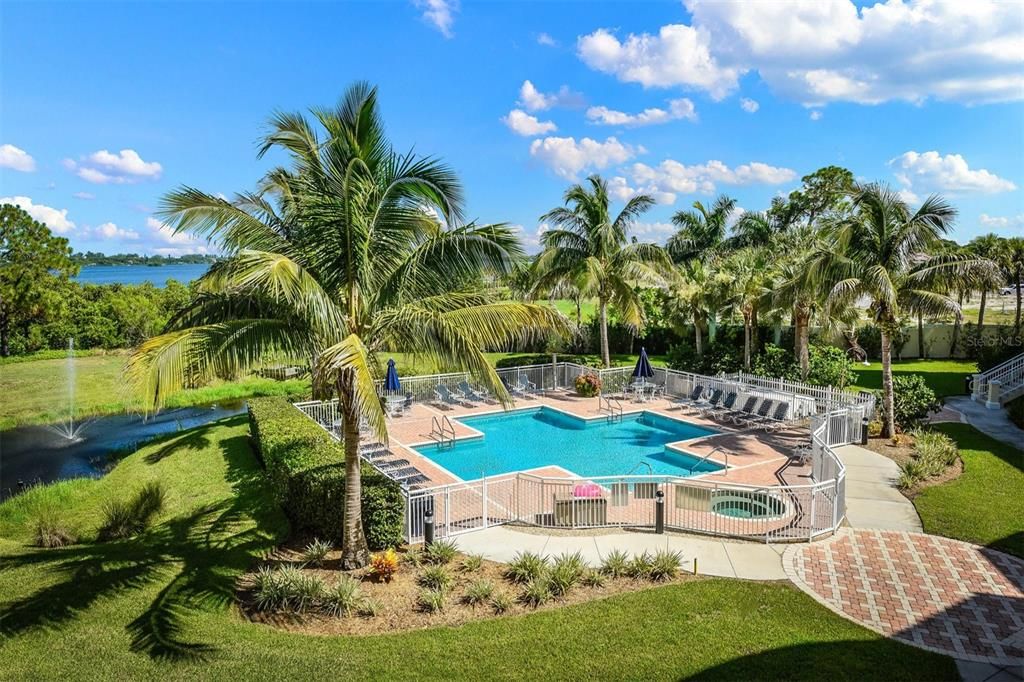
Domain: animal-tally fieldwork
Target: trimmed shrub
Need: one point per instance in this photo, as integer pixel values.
(912, 400)
(306, 470)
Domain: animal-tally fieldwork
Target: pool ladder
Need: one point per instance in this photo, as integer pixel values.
(442, 430)
(717, 448)
(610, 405)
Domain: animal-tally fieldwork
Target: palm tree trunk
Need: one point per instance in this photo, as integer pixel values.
(579, 311)
(920, 336)
(957, 322)
(803, 327)
(888, 403)
(606, 357)
(981, 312)
(1016, 319)
(746, 340)
(354, 551)
(699, 339)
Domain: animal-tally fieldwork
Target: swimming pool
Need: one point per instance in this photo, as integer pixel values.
(527, 439)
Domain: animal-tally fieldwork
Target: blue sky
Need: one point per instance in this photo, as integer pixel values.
(105, 107)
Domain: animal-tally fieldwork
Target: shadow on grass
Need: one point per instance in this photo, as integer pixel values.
(831, 661)
(196, 556)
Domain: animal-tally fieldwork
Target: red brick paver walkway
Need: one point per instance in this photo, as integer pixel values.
(931, 592)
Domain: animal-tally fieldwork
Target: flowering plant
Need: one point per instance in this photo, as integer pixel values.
(588, 385)
(384, 565)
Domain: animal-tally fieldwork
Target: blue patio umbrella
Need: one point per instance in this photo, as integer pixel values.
(643, 366)
(391, 382)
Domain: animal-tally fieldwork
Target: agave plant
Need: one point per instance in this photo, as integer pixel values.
(352, 251)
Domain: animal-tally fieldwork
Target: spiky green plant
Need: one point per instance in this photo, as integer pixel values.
(526, 566)
(440, 552)
(471, 563)
(343, 597)
(315, 552)
(664, 565)
(615, 564)
(351, 251)
(431, 601)
(435, 578)
(501, 602)
(479, 592)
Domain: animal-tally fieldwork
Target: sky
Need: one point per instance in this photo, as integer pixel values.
(106, 107)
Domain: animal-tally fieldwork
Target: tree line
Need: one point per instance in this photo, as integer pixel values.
(96, 258)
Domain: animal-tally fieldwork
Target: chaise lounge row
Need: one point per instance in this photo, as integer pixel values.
(770, 414)
(401, 471)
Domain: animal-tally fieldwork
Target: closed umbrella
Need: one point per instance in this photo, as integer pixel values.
(643, 369)
(391, 383)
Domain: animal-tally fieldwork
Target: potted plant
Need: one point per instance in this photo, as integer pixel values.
(588, 385)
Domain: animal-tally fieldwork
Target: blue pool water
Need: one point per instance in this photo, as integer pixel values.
(528, 439)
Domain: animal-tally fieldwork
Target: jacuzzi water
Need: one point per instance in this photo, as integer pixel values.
(528, 439)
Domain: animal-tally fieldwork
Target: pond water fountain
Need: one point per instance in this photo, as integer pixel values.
(67, 429)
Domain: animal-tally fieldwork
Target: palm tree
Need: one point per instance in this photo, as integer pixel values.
(1015, 263)
(352, 251)
(799, 288)
(991, 247)
(590, 251)
(749, 273)
(884, 251)
(702, 231)
(694, 295)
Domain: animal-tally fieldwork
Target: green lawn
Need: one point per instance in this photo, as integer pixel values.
(35, 392)
(945, 377)
(985, 505)
(160, 606)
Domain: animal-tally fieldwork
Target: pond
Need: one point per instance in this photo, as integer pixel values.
(40, 454)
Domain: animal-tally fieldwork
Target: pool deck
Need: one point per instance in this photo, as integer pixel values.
(755, 457)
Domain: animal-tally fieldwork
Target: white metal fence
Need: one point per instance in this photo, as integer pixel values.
(767, 513)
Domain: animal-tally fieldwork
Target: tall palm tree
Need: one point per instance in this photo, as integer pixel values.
(1015, 263)
(884, 252)
(749, 273)
(800, 287)
(991, 247)
(702, 231)
(591, 251)
(351, 251)
(694, 297)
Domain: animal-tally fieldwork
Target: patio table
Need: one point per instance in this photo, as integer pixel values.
(394, 404)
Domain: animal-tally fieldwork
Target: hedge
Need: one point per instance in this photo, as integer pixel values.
(306, 470)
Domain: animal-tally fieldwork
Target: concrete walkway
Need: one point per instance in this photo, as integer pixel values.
(994, 423)
(872, 499)
(714, 557)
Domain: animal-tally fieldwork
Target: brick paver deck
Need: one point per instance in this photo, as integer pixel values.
(931, 592)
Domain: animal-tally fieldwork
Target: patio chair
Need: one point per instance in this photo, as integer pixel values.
(694, 396)
(445, 396)
(705, 400)
(777, 419)
(723, 409)
(392, 465)
(745, 409)
(523, 387)
(711, 403)
(758, 416)
(472, 394)
(372, 452)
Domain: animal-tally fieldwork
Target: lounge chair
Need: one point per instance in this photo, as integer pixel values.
(446, 396)
(777, 419)
(724, 408)
(522, 387)
(758, 416)
(710, 403)
(746, 408)
(473, 394)
(392, 465)
(694, 396)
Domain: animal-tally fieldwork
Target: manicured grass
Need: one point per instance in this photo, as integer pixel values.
(160, 605)
(985, 505)
(568, 308)
(35, 392)
(945, 377)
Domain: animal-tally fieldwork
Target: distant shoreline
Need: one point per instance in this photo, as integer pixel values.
(156, 274)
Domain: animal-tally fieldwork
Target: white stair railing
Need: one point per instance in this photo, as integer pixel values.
(1000, 384)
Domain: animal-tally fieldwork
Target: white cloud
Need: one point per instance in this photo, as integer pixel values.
(923, 173)
(815, 115)
(104, 167)
(112, 231)
(440, 14)
(1001, 221)
(749, 105)
(677, 109)
(678, 55)
(671, 177)
(16, 159)
(619, 189)
(84, 195)
(546, 40)
(817, 51)
(533, 99)
(653, 232)
(567, 157)
(55, 219)
(170, 243)
(531, 239)
(526, 125)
